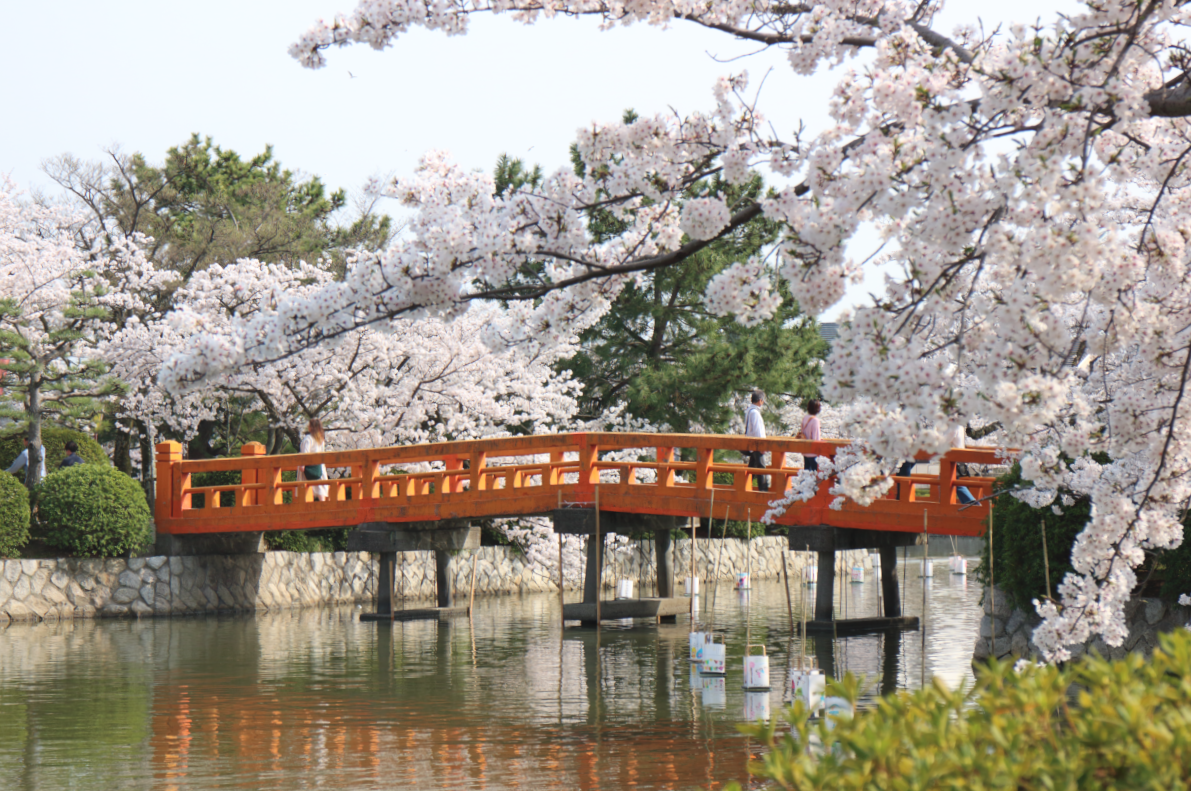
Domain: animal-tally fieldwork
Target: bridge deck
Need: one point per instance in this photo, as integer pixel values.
(521, 476)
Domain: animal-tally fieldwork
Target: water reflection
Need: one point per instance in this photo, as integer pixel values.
(508, 701)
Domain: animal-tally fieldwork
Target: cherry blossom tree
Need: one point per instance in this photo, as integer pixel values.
(54, 300)
(1030, 187)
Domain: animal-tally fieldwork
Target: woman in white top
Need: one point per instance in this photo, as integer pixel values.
(314, 441)
(812, 431)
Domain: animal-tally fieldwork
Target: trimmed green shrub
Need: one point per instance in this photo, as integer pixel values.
(93, 510)
(1091, 725)
(14, 516)
(54, 440)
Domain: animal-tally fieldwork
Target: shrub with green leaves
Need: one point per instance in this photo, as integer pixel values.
(1091, 725)
(14, 516)
(54, 440)
(93, 511)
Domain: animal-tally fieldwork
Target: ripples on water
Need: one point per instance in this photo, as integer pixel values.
(315, 699)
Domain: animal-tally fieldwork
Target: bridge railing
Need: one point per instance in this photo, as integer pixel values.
(673, 474)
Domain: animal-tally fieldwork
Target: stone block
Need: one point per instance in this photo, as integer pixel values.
(1019, 645)
(162, 606)
(114, 565)
(156, 562)
(39, 580)
(996, 602)
(115, 610)
(1154, 610)
(125, 596)
(86, 582)
(991, 627)
(59, 579)
(30, 567)
(163, 574)
(17, 611)
(136, 564)
(21, 589)
(129, 579)
(5, 590)
(12, 570)
(176, 565)
(140, 608)
(53, 595)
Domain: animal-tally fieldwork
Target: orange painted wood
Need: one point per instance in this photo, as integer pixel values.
(521, 476)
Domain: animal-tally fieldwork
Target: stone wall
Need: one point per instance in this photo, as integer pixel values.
(158, 586)
(78, 588)
(1011, 630)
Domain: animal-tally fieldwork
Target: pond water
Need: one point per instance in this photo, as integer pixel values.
(316, 699)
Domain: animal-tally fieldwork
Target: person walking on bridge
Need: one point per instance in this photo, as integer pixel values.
(754, 426)
(811, 430)
(314, 441)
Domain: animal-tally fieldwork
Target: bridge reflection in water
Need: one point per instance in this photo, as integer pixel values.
(317, 699)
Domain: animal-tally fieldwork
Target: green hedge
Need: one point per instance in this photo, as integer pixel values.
(14, 516)
(54, 440)
(1093, 725)
(1017, 538)
(93, 511)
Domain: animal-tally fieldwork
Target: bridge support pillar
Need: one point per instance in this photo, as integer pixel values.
(826, 541)
(661, 549)
(442, 578)
(890, 596)
(386, 572)
(825, 588)
(581, 522)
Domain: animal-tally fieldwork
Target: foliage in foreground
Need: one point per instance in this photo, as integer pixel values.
(1094, 724)
(93, 511)
(14, 516)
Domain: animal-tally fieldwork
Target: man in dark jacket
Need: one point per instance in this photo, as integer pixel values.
(74, 457)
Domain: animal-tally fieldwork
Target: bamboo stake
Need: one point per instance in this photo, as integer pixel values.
(720, 553)
(992, 577)
(786, 575)
(694, 584)
(599, 548)
(562, 599)
(748, 564)
(471, 596)
(710, 525)
(925, 560)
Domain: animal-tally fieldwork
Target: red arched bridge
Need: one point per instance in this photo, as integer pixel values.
(522, 476)
(421, 497)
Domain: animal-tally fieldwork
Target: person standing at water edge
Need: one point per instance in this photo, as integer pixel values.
(812, 431)
(754, 426)
(314, 441)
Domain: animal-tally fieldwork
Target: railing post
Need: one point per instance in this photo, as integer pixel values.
(588, 474)
(665, 477)
(250, 475)
(169, 456)
(703, 468)
(947, 481)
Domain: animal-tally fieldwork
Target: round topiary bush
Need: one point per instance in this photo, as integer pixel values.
(54, 440)
(14, 516)
(93, 510)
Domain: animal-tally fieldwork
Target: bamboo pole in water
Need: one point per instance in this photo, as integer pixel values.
(992, 578)
(599, 548)
(471, 596)
(925, 560)
(786, 575)
(562, 600)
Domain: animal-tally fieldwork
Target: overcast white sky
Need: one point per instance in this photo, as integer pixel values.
(145, 74)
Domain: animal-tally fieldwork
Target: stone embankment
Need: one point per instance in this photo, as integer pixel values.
(1007, 632)
(160, 586)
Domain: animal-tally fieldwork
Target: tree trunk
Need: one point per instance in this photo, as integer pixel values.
(148, 465)
(122, 453)
(36, 451)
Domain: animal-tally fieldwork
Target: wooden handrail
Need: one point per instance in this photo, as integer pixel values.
(521, 476)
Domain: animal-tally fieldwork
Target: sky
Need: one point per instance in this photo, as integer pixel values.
(143, 75)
